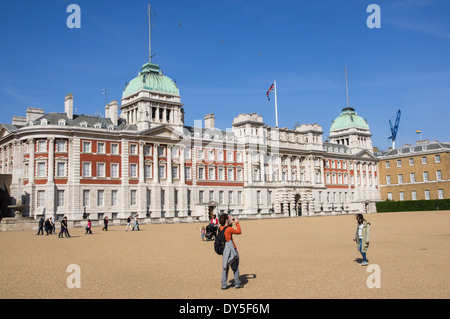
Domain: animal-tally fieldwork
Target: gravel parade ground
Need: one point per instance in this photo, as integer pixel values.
(289, 258)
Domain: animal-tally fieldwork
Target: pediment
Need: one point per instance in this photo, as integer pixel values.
(365, 154)
(4, 132)
(164, 132)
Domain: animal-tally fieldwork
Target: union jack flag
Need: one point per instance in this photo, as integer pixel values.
(270, 90)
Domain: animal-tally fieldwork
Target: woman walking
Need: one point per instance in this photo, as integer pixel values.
(361, 238)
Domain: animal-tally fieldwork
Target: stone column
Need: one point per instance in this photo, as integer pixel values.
(141, 163)
(51, 160)
(169, 164)
(155, 163)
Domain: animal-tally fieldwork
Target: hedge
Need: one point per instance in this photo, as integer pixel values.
(413, 205)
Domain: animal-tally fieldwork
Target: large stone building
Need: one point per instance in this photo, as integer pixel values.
(415, 172)
(142, 158)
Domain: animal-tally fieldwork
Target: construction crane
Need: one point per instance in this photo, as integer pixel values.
(394, 129)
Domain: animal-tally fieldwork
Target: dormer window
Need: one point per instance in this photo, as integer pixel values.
(44, 122)
(83, 124)
(98, 125)
(62, 122)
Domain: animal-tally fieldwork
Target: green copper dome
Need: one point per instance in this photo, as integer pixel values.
(348, 119)
(151, 78)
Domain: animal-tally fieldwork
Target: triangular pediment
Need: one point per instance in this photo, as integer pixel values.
(4, 131)
(164, 132)
(365, 154)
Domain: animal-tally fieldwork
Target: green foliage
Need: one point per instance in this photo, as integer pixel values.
(413, 205)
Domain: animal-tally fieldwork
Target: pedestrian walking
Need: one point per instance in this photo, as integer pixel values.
(88, 227)
(128, 223)
(230, 256)
(362, 236)
(136, 222)
(53, 226)
(64, 228)
(48, 226)
(41, 226)
(105, 223)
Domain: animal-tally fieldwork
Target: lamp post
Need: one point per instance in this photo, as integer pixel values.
(84, 213)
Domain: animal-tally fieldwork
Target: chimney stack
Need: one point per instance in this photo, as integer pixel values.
(210, 121)
(111, 112)
(68, 106)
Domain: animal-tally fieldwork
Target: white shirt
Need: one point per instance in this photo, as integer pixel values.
(360, 228)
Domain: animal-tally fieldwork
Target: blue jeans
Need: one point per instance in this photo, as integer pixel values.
(360, 250)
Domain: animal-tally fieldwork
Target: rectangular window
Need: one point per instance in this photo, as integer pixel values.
(402, 196)
(85, 197)
(399, 163)
(133, 197)
(60, 146)
(400, 178)
(388, 164)
(200, 196)
(438, 175)
(230, 174)
(211, 196)
(100, 194)
(86, 169)
(175, 172)
(239, 197)
(60, 198)
(230, 197)
(388, 179)
(162, 171)
(440, 194)
(60, 169)
(42, 146)
(133, 149)
(114, 193)
(427, 194)
(114, 149)
(220, 197)
(411, 162)
(211, 173)
(133, 170)
(437, 158)
(424, 160)
(239, 175)
(413, 177)
(86, 147)
(187, 172)
(389, 195)
(425, 176)
(148, 171)
(101, 170)
(101, 148)
(201, 173)
(114, 170)
(41, 169)
(40, 199)
(414, 195)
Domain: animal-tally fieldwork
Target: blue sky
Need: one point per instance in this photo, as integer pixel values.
(225, 54)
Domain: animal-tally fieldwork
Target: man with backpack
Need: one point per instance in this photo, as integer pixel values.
(230, 256)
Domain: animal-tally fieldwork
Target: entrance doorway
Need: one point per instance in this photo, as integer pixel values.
(298, 205)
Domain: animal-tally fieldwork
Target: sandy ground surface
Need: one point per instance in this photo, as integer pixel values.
(309, 257)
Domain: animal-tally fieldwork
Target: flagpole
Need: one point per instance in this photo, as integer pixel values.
(276, 104)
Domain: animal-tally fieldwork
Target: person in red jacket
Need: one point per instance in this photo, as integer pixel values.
(225, 220)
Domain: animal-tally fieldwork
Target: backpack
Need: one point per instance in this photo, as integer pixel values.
(219, 243)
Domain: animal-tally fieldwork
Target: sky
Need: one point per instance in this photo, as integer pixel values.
(224, 55)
